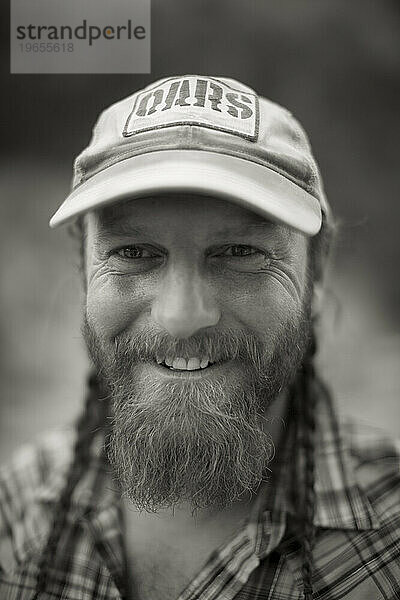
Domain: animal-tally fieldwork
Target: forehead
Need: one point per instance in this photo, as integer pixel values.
(183, 213)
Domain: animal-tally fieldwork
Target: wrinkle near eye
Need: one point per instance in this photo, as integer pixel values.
(287, 278)
(99, 270)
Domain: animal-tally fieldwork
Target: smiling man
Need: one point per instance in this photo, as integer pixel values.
(209, 462)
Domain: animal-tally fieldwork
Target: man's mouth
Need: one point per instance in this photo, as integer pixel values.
(178, 363)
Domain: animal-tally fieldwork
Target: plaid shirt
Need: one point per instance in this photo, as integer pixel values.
(357, 551)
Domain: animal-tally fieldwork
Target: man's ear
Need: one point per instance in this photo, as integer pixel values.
(317, 300)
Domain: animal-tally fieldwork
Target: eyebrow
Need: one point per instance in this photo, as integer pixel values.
(118, 228)
(261, 226)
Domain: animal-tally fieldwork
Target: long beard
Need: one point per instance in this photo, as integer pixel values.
(205, 441)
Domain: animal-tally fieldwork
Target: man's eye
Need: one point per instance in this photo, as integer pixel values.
(240, 251)
(132, 252)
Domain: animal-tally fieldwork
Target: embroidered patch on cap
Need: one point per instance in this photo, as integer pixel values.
(191, 100)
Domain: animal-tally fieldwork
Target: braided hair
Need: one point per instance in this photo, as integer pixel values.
(306, 402)
(308, 388)
(87, 425)
(94, 418)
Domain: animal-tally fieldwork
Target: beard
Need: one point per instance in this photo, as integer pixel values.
(203, 441)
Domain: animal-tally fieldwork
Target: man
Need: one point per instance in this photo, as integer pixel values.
(208, 462)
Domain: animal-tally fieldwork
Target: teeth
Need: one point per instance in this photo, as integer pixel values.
(192, 364)
(179, 363)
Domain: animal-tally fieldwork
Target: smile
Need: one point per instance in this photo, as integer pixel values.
(179, 363)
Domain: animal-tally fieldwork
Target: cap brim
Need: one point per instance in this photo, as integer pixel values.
(242, 181)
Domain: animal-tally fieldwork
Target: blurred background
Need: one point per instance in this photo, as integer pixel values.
(336, 66)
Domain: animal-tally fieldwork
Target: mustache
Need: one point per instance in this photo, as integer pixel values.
(218, 346)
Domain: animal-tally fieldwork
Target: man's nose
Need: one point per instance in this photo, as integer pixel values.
(184, 305)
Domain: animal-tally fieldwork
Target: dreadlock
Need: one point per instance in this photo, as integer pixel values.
(87, 425)
(305, 397)
(95, 412)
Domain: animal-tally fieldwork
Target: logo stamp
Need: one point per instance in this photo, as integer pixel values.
(202, 101)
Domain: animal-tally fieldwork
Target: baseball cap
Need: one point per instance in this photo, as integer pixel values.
(207, 135)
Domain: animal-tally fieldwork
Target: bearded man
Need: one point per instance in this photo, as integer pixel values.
(209, 462)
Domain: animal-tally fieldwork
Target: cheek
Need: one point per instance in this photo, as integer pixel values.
(112, 306)
(263, 305)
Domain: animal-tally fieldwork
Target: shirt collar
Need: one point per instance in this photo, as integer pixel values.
(340, 502)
